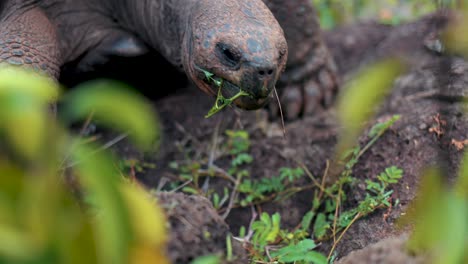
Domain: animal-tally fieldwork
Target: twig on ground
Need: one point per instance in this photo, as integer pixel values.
(233, 199)
(335, 243)
(281, 112)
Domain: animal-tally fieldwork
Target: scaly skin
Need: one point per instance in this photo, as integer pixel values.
(239, 41)
(27, 38)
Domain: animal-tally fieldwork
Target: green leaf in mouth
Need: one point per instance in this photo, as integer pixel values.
(209, 77)
(221, 101)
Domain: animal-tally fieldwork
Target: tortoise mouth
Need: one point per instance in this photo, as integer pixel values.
(248, 102)
(228, 89)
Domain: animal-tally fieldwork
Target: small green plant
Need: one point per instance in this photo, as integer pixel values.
(275, 187)
(217, 201)
(266, 230)
(209, 259)
(302, 252)
(238, 141)
(391, 175)
(236, 148)
(288, 247)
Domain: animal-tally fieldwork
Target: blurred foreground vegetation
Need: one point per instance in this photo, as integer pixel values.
(337, 12)
(62, 200)
(438, 216)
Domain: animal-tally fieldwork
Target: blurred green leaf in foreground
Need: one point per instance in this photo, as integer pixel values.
(107, 219)
(361, 98)
(439, 213)
(439, 216)
(334, 13)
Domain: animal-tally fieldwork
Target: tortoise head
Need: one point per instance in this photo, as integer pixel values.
(238, 42)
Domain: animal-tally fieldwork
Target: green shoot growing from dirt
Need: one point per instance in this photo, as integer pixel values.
(274, 188)
(221, 101)
(271, 244)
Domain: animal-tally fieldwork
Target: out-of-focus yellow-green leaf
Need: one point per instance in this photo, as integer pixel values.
(100, 180)
(78, 245)
(24, 121)
(7, 211)
(15, 244)
(462, 183)
(452, 231)
(359, 99)
(39, 220)
(39, 208)
(11, 183)
(115, 105)
(146, 216)
(28, 83)
(147, 253)
(148, 223)
(425, 211)
(439, 216)
(454, 37)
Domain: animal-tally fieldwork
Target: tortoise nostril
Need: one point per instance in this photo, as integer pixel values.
(266, 72)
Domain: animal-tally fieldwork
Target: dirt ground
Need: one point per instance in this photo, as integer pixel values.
(428, 97)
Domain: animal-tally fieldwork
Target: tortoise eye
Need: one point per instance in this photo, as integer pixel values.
(281, 55)
(228, 54)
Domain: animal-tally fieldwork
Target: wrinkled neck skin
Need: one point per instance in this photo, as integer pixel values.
(159, 23)
(239, 41)
(173, 27)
